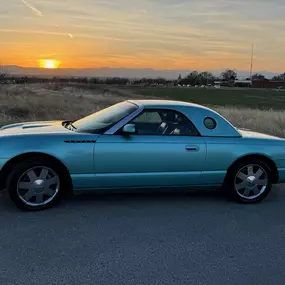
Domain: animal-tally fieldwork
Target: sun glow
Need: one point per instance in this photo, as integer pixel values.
(49, 63)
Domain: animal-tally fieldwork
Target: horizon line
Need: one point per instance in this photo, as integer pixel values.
(137, 68)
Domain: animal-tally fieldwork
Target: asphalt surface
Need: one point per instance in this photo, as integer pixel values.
(195, 238)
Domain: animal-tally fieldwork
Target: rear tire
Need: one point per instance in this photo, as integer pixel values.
(36, 184)
(248, 181)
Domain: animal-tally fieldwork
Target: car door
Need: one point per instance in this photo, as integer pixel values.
(154, 156)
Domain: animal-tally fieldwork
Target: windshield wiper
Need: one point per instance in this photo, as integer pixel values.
(71, 124)
(68, 124)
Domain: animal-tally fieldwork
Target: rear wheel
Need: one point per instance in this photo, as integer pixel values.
(249, 181)
(35, 184)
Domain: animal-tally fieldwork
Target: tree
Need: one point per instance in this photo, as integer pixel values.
(115, 81)
(191, 79)
(280, 77)
(205, 78)
(258, 76)
(195, 78)
(94, 80)
(228, 75)
(160, 81)
(3, 72)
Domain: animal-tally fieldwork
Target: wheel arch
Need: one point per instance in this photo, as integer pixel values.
(263, 158)
(4, 173)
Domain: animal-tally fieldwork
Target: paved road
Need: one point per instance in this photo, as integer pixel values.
(145, 239)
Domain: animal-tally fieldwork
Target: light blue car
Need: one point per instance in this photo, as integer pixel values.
(143, 144)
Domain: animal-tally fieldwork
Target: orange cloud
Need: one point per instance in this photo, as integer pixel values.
(181, 35)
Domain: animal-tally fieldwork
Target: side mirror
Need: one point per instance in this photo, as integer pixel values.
(129, 129)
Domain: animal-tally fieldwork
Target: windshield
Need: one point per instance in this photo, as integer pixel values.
(104, 119)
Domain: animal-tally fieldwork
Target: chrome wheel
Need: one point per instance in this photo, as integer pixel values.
(251, 181)
(38, 186)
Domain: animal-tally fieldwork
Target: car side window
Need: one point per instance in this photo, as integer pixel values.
(164, 122)
(148, 117)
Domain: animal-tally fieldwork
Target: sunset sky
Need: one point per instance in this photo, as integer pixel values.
(159, 34)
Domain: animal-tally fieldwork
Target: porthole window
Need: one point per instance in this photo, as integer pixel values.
(210, 123)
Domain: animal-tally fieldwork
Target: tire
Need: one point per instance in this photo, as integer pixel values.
(36, 184)
(248, 181)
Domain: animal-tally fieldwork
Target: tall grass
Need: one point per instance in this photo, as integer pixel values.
(48, 102)
(270, 122)
(52, 101)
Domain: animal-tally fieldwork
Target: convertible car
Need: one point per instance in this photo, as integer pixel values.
(147, 144)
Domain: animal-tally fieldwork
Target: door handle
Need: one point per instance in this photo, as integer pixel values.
(191, 148)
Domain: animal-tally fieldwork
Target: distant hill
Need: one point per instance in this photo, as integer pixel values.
(115, 72)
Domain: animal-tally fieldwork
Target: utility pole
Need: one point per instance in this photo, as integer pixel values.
(251, 63)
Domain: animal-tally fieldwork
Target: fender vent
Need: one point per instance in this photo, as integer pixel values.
(83, 141)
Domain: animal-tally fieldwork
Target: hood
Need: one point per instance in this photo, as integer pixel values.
(33, 128)
(251, 134)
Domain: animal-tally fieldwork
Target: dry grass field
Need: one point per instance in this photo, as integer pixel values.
(50, 101)
(269, 122)
(20, 103)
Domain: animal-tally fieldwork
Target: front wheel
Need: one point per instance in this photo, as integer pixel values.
(249, 181)
(35, 184)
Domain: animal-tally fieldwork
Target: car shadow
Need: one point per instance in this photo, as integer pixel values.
(93, 197)
(203, 198)
(163, 194)
(106, 198)
(146, 196)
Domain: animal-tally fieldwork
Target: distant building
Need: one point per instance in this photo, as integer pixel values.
(222, 83)
(243, 83)
(258, 83)
(267, 84)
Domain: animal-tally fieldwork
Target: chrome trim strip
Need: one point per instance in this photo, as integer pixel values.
(123, 122)
(80, 141)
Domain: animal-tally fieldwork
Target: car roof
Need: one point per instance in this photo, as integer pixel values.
(196, 113)
(166, 104)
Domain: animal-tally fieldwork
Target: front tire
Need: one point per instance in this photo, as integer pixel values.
(35, 184)
(248, 181)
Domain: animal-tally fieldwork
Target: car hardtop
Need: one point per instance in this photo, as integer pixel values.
(196, 113)
(169, 104)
